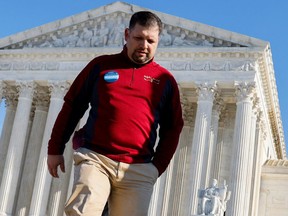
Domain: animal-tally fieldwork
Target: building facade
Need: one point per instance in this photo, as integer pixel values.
(233, 130)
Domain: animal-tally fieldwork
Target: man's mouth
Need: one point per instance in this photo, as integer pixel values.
(142, 53)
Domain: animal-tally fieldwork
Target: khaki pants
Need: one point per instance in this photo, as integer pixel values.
(127, 187)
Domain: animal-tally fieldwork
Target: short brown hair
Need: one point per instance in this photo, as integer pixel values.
(145, 18)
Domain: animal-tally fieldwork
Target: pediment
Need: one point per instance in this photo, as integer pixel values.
(104, 27)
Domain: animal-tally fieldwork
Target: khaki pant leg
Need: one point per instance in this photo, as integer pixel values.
(132, 189)
(91, 187)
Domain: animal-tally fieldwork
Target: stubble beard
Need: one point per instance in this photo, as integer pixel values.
(140, 59)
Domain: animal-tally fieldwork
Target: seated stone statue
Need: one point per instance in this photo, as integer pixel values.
(214, 199)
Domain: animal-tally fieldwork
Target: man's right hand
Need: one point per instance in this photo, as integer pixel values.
(53, 161)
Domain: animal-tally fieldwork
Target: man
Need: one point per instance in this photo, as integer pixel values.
(130, 95)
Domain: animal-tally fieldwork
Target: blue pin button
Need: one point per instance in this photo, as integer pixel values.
(111, 76)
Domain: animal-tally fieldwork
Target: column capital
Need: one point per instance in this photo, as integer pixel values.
(256, 105)
(11, 100)
(58, 89)
(186, 108)
(218, 106)
(25, 88)
(188, 114)
(261, 125)
(244, 91)
(260, 116)
(206, 91)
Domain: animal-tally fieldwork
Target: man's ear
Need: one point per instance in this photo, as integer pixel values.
(126, 34)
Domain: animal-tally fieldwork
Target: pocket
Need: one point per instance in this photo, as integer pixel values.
(79, 157)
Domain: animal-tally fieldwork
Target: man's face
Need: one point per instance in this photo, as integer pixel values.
(142, 43)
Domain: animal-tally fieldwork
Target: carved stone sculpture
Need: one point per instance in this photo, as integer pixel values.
(214, 199)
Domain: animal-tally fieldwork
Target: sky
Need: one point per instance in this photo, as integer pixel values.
(262, 19)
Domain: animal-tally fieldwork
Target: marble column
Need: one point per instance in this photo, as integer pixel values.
(43, 179)
(156, 196)
(256, 181)
(241, 143)
(206, 93)
(33, 152)
(215, 172)
(217, 107)
(16, 148)
(251, 156)
(11, 105)
(180, 175)
(167, 189)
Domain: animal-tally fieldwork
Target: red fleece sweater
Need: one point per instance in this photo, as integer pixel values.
(128, 103)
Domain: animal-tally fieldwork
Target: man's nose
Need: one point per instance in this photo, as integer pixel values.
(144, 43)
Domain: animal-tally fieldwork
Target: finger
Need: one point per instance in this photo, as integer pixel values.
(55, 173)
(50, 171)
(62, 167)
